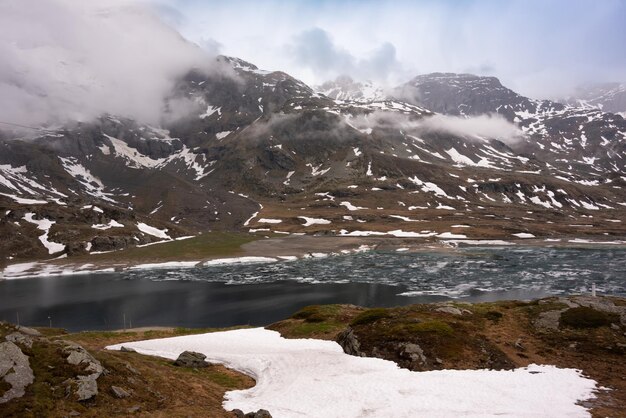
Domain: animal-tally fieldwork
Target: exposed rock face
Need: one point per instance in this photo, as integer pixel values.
(412, 352)
(19, 338)
(191, 359)
(86, 385)
(549, 320)
(29, 331)
(15, 370)
(261, 413)
(349, 342)
(272, 139)
(453, 310)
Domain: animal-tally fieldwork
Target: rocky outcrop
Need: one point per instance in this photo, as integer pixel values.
(261, 413)
(191, 359)
(21, 339)
(552, 320)
(84, 386)
(412, 352)
(349, 342)
(549, 320)
(598, 303)
(29, 331)
(453, 310)
(14, 370)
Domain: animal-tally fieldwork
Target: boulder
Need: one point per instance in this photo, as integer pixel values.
(21, 339)
(450, 310)
(14, 370)
(261, 413)
(29, 331)
(191, 359)
(549, 320)
(412, 352)
(86, 386)
(349, 342)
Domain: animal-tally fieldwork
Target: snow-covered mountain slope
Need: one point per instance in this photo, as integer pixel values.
(592, 141)
(609, 97)
(260, 145)
(346, 89)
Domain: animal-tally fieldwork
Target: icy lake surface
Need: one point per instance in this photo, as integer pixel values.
(261, 293)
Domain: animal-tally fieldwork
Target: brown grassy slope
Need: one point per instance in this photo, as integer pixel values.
(158, 389)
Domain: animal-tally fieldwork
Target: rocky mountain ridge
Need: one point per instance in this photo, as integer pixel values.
(263, 152)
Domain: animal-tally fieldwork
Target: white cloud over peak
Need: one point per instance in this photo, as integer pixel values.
(74, 60)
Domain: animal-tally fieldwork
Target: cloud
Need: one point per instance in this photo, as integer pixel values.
(74, 60)
(536, 47)
(491, 126)
(483, 126)
(315, 50)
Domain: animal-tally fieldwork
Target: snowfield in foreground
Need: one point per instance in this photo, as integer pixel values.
(314, 378)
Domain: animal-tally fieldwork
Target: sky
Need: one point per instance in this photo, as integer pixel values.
(540, 48)
(76, 59)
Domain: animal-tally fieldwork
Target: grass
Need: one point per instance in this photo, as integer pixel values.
(317, 313)
(436, 327)
(211, 244)
(155, 384)
(309, 329)
(584, 317)
(370, 316)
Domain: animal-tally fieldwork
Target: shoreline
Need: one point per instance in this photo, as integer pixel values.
(284, 249)
(288, 248)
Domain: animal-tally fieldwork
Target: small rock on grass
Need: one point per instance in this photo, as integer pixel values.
(119, 392)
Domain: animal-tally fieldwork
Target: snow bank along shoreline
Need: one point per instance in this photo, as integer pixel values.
(314, 378)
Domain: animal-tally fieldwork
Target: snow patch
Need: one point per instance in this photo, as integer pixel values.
(314, 378)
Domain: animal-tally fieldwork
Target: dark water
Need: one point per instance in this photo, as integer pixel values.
(263, 293)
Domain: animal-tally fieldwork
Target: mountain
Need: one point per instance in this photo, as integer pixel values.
(609, 97)
(262, 152)
(345, 88)
(580, 144)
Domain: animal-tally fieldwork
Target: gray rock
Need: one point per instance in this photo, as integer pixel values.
(19, 338)
(15, 370)
(450, 310)
(125, 349)
(131, 368)
(133, 409)
(349, 342)
(120, 393)
(413, 352)
(261, 413)
(86, 385)
(191, 359)
(518, 344)
(29, 331)
(549, 320)
(238, 413)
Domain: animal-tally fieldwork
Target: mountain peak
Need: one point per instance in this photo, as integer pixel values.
(347, 89)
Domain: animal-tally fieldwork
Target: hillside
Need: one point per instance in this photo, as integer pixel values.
(262, 152)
